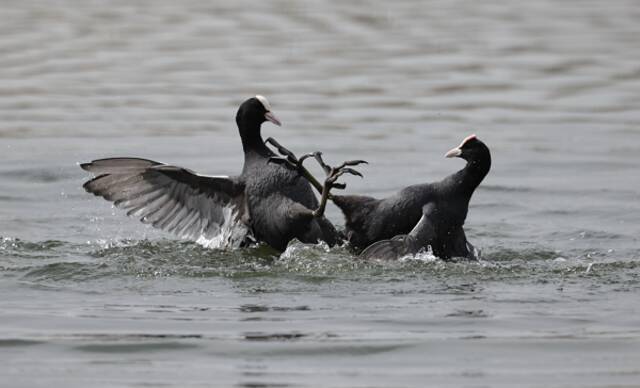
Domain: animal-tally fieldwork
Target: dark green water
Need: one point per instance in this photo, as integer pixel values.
(91, 298)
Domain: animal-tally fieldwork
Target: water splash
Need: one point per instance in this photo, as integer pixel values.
(59, 262)
(231, 234)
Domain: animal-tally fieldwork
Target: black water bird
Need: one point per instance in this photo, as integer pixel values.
(419, 216)
(267, 202)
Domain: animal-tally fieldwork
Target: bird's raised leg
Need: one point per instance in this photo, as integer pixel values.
(290, 160)
(333, 173)
(290, 157)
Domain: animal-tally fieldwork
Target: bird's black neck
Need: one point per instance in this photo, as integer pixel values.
(252, 142)
(465, 181)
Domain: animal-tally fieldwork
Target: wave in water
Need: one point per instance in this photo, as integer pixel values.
(59, 261)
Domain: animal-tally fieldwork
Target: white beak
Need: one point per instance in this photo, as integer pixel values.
(453, 153)
(271, 117)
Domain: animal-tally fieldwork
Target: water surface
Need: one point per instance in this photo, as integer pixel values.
(92, 298)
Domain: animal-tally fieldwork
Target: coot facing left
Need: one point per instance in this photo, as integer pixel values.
(430, 214)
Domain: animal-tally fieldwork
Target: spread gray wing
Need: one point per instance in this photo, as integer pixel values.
(392, 249)
(421, 236)
(197, 207)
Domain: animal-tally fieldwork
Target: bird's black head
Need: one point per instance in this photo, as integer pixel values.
(471, 149)
(255, 111)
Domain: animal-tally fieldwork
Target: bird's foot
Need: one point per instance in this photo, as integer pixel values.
(290, 160)
(333, 173)
(330, 182)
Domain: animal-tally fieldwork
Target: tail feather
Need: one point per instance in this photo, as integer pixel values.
(352, 203)
(354, 207)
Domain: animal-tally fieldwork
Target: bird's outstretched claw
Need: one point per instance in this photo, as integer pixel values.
(282, 161)
(281, 149)
(288, 156)
(290, 160)
(333, 173)
(353, 163)
(348, 170)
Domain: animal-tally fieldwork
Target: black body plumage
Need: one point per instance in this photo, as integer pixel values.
(430, 214)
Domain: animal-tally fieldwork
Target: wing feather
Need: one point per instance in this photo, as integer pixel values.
(172, 198)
